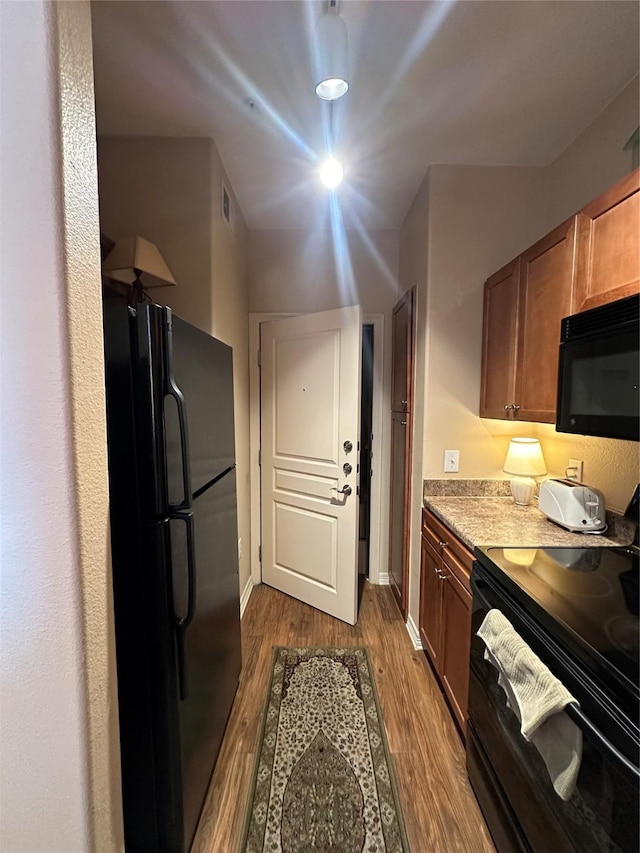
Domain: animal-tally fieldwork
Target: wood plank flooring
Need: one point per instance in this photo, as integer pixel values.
(440, 811)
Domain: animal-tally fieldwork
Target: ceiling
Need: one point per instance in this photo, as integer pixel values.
(468, 82)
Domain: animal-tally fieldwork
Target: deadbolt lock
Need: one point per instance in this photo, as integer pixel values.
(348, 447)
(347, 469)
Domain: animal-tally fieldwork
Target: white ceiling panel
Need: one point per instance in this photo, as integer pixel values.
(470, 82)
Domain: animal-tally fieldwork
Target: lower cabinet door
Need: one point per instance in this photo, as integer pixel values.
(431, 603)
(456, 615)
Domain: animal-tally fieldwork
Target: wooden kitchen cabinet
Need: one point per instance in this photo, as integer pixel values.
(609, 246)
(524, 304)
(547, 276)
(445, 611)
(591, 259)
(499, 341)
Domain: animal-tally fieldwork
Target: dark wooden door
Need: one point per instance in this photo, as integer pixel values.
(403, 344)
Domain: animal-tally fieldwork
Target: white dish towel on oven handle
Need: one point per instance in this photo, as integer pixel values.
(537, 698)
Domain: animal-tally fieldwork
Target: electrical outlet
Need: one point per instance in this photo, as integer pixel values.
(575, 470)
(451, 460)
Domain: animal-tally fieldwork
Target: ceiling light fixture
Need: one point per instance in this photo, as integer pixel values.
(331, 173)
(332, 55)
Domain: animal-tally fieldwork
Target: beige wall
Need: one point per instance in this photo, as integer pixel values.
(293, 271)
(60, 752)
(467, 222)
(595, 160)
(169, 190)
(158, 187)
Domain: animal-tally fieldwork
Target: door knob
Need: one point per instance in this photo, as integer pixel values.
(345, 490)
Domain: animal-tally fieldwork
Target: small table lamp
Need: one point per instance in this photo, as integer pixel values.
(138, 263)
(525, 461)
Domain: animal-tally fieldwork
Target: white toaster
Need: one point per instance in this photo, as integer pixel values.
(573, 505)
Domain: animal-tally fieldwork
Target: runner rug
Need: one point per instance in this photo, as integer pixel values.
(323, 781)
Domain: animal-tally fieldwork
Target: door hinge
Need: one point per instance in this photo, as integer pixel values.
(259, 553)
(259, 358)
(259, 457)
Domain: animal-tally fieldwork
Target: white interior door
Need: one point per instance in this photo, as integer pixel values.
(310, 423)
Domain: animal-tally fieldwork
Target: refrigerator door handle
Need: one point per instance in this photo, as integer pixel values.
(183, 622)
(172, 390)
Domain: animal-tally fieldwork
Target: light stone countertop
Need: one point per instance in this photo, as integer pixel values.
(501, 522)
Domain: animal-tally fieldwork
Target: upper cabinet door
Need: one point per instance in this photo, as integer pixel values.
(609, 246)
(547, 280)
(500, 333)
(402, 353)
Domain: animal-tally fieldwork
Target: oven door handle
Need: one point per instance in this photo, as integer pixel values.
(584, 723)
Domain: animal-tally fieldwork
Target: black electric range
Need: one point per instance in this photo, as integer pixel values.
(577, 608)
(587, 598)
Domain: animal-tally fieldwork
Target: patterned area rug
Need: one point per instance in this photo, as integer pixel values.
(323, 780)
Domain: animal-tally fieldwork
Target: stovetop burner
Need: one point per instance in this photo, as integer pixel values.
(592, 592)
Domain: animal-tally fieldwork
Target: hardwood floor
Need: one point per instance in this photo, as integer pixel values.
(439, 809)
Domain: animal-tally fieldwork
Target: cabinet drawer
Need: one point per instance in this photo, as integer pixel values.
(461, 571)
(436, 532)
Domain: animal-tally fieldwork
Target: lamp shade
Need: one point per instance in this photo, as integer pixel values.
(332, 71)
(135, 259)
(524, 458)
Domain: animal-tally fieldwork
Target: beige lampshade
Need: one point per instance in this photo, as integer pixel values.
(524, 458)
(136, 253)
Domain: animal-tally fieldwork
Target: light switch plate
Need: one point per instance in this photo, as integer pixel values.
(451, 461)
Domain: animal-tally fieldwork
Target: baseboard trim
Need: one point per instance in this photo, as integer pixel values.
(414, 634)
(383, 579)
(244, 598)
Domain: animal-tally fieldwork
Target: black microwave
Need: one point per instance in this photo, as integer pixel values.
(598, 371)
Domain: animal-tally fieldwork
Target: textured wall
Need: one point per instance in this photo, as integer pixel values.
(83, 313)
(59, 741)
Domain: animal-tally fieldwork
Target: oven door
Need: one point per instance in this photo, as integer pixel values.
(510, 779)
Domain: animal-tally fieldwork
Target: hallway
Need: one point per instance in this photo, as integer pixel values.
(440, 812)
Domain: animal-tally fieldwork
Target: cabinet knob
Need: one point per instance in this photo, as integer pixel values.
(508, 408)
(515, 408)
(443, 544)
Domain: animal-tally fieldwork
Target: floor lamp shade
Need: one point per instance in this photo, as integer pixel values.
(524, 461)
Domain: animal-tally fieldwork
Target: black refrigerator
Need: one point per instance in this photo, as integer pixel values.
(170, 430)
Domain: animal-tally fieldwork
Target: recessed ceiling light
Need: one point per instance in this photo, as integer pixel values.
(331, 173)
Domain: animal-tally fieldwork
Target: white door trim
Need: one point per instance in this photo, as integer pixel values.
(375, 546)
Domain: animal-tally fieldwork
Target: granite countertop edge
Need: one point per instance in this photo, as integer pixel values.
(494, 520)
